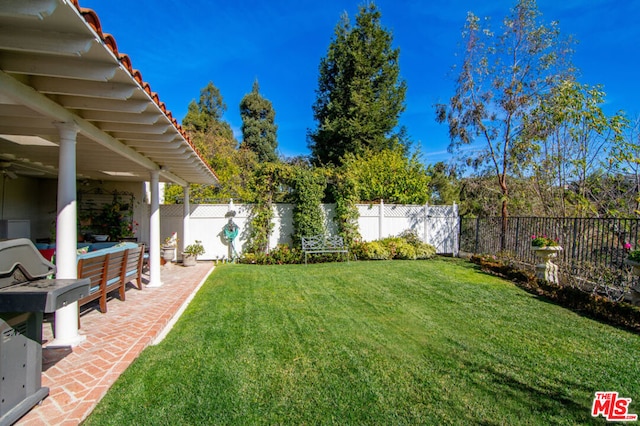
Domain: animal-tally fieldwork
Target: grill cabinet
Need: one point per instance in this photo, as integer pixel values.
(26, 293)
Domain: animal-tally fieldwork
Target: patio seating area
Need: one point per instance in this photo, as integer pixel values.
(79, 377)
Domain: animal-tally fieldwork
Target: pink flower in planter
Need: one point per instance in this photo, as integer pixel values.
(627, 246)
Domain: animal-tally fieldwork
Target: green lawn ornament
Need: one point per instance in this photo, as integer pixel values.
(230, 234)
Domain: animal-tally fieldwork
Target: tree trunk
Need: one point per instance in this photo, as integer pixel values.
(505, 213)
(505, 219)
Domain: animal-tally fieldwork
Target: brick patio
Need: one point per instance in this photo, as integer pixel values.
(79, 377)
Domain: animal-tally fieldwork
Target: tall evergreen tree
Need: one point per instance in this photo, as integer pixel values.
(360, 95)
(207, 112)
(258, 125)
(214, 138)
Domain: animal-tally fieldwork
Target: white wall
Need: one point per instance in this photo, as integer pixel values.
(34, 199)
(29, 198)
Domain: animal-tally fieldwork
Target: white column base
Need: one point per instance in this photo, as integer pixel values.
(66, 328)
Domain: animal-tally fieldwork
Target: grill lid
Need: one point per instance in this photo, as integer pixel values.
(20, 262)
(23, 283)
(43, 295)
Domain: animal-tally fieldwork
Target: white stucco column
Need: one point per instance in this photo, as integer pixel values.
(66, 319)
(154, 231)
(186, 238)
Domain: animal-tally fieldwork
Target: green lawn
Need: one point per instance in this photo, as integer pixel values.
(393, 342)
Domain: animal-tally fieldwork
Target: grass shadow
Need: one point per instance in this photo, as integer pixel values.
(616, 314)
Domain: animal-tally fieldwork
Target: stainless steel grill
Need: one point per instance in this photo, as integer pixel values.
(26, 292)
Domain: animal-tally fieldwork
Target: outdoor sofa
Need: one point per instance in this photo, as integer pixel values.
(109, 266)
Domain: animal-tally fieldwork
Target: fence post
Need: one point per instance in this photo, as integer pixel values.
(425, 210)
(381, 220)
(517, 233)
(475, 251)
(458, 227)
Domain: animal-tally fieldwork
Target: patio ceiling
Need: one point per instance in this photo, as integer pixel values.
(56, 65)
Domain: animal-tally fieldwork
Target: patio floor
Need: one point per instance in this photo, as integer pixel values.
(79, 377)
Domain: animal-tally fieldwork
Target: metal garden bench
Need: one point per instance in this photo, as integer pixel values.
(323, 244)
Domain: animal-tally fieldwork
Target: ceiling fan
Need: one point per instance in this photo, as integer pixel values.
(12, 170)
(6, 171)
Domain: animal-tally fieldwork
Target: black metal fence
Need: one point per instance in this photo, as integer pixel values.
(599, 242)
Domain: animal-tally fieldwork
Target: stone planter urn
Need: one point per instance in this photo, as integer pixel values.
(635, 270)
(635, 266)
(168, 253)
(189, 259)
(547, 270)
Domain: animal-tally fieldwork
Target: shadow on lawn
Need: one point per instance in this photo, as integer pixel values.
(621, 315)
(547, 397)
(492, 388)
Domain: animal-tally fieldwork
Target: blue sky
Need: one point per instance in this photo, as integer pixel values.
(180, 46)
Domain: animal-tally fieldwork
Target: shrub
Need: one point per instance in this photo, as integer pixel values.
(372, 250)
(405, 251)
(407, 246)
(357, 248)
(392, 243)
(425, 251)
(634, 255)
(379, 250)
(249, 258)
(280, 255)
(283, 255)
(411, 237)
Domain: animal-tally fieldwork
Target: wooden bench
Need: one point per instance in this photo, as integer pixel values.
(110, 271)
(323, 244)
(134, 263)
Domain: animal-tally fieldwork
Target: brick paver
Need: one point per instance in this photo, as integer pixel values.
(79, 377)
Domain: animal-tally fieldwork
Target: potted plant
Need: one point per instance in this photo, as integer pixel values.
(168, 248)
(129, 231)
(633, 259)
(191, 253)
(543, 241)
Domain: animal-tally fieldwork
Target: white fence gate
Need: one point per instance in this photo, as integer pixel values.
(436, 225)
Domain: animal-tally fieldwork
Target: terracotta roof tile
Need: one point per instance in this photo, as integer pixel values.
(92, 19)
(137, 75)
(126, 61)
(111, 44)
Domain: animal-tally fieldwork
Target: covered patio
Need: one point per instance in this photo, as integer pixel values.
(73, 109)
(80, 377)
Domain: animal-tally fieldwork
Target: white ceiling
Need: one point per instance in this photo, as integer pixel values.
(55, 66)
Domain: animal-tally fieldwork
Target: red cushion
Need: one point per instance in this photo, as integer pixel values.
(47, 253)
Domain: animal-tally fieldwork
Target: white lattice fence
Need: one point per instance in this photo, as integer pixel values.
(436, 225)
